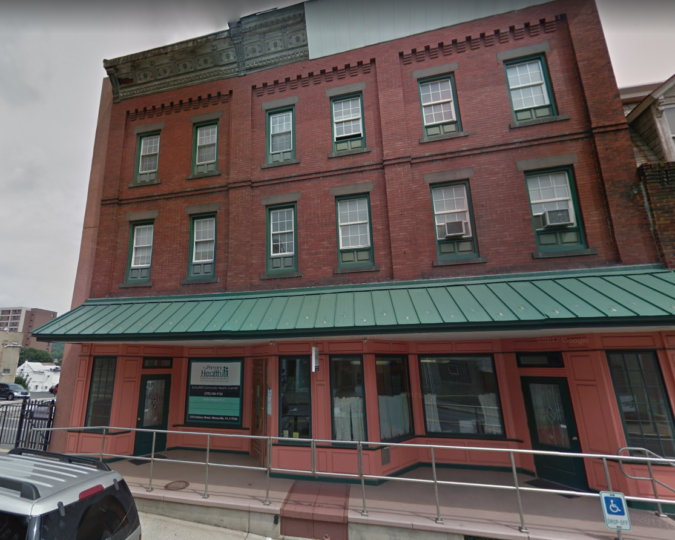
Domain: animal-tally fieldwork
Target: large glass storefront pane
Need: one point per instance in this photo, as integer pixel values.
(294, 392)
(393, 397)
(641, 395)
(101, 390)
(347, 391)
(461, 397)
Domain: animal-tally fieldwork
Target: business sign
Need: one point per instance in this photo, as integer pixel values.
(615, 510)
(214, 392)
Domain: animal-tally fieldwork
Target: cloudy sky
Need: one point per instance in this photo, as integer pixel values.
(50, 80)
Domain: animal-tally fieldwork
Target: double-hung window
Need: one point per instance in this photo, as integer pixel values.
(348, 131)
(439, 106)
(453, 221)
(282, 240)
(354, 231)
(147, 162)
(530, 89)
(555, 214)
(101, 389)
(280, 136)
(203, 247)
(205, 149)
(140, 251)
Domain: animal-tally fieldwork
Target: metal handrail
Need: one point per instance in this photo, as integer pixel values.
(361, 476)
(654, 481)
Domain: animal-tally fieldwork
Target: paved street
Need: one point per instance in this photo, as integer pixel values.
(160, 528)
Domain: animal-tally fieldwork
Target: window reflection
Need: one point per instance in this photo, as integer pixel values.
(393, 397)
(294, 381)
(346, 379)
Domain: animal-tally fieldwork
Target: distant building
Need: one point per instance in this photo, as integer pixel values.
(22, 319)
(41, 377)
(10, 350)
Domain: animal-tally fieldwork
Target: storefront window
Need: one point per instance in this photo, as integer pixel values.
(461, 396)
(646, 413)
(347, 391)
(393, 397)
(294, 392)
(101, 391)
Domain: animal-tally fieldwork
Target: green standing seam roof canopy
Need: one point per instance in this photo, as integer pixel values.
(599, 298)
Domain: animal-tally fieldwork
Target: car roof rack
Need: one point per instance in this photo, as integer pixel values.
(61, 457)
(26, 489)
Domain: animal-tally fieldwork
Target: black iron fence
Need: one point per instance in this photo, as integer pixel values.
(21, 423)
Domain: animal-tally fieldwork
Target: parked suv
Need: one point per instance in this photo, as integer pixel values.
(46, 496)
(10, 391)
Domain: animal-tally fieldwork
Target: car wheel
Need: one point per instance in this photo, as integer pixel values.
(10, 397)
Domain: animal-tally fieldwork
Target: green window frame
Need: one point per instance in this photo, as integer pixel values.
(280, 144)
(141, 247)
(348, 127)
(439, 106)
(348, 399)
(294, 389)
(101, 388)
(282, 239)
(355, 245)
(549, 201)
(451, 203)
(203, 244)
(205, 148)
(147, 157)
(646, 412)
(530, 89)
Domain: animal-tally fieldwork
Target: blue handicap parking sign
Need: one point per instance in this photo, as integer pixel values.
(615, 510)
(614, 506)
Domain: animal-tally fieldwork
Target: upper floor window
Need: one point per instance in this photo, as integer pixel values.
(555, 213)
(281, 136)
(530, 89)
(148, 157)
(453, 220)
(670, 119)
(348, 132)
(203, 248)
(354, 235)
(282, 256)
(140, 259)
(439, 108)
(206, 149)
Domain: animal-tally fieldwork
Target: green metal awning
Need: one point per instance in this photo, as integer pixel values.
(618, 297)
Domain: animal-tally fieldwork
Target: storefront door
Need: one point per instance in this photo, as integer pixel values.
(550, 417)
(258, 410)
(153, 413)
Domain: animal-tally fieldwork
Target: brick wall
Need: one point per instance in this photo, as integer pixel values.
(659, 181)
(403, 232)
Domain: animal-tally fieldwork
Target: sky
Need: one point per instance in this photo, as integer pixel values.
(51, 55)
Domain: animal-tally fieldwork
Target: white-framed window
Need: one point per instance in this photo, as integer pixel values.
(281, 132)
(450, 205)
(207, 139)
(550, 191)
(527, 85)
(354, 223)
(438, 104)
(149, 154)
(282, 233)
(204, 240)
(142, 248)
(347, 118)
(669, 114)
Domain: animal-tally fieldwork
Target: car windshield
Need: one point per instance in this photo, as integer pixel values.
(13, 527)
(16, 387)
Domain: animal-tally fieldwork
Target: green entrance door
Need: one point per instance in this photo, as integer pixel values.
(153, 412)
(550, 418)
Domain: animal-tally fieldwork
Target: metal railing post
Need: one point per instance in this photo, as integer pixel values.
(659, 509)
(313, 457)
(522, 528)
(152, 460)
(102, 445)
(206, 477)
(619, 534)
(266, 502)
(364, 512)
(439, 519)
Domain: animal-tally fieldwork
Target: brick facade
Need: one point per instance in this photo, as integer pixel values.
(659, 182)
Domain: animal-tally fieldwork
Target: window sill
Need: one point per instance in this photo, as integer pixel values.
(205, 175)
(356, 269)
(282, 275)
(280, 164)
(456, 262)
(550, 119)
(443, 137)
(349, 152)
(141, 285)
(143, 184)
(569, 253)
(199, 281)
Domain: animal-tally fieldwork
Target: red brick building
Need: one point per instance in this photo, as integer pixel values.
(448, 215)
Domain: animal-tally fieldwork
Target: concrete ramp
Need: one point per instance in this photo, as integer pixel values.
(316, 509)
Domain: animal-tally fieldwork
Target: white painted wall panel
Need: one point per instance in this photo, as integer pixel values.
(335, 26)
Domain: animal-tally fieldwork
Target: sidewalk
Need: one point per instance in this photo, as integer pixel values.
(156, 527)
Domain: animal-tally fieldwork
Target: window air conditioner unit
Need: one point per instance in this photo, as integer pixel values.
(557, 218)
(455, 228)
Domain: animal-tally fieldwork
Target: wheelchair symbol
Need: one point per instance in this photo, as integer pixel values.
(614, 506)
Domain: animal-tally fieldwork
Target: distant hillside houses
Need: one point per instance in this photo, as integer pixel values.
(41, 377)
